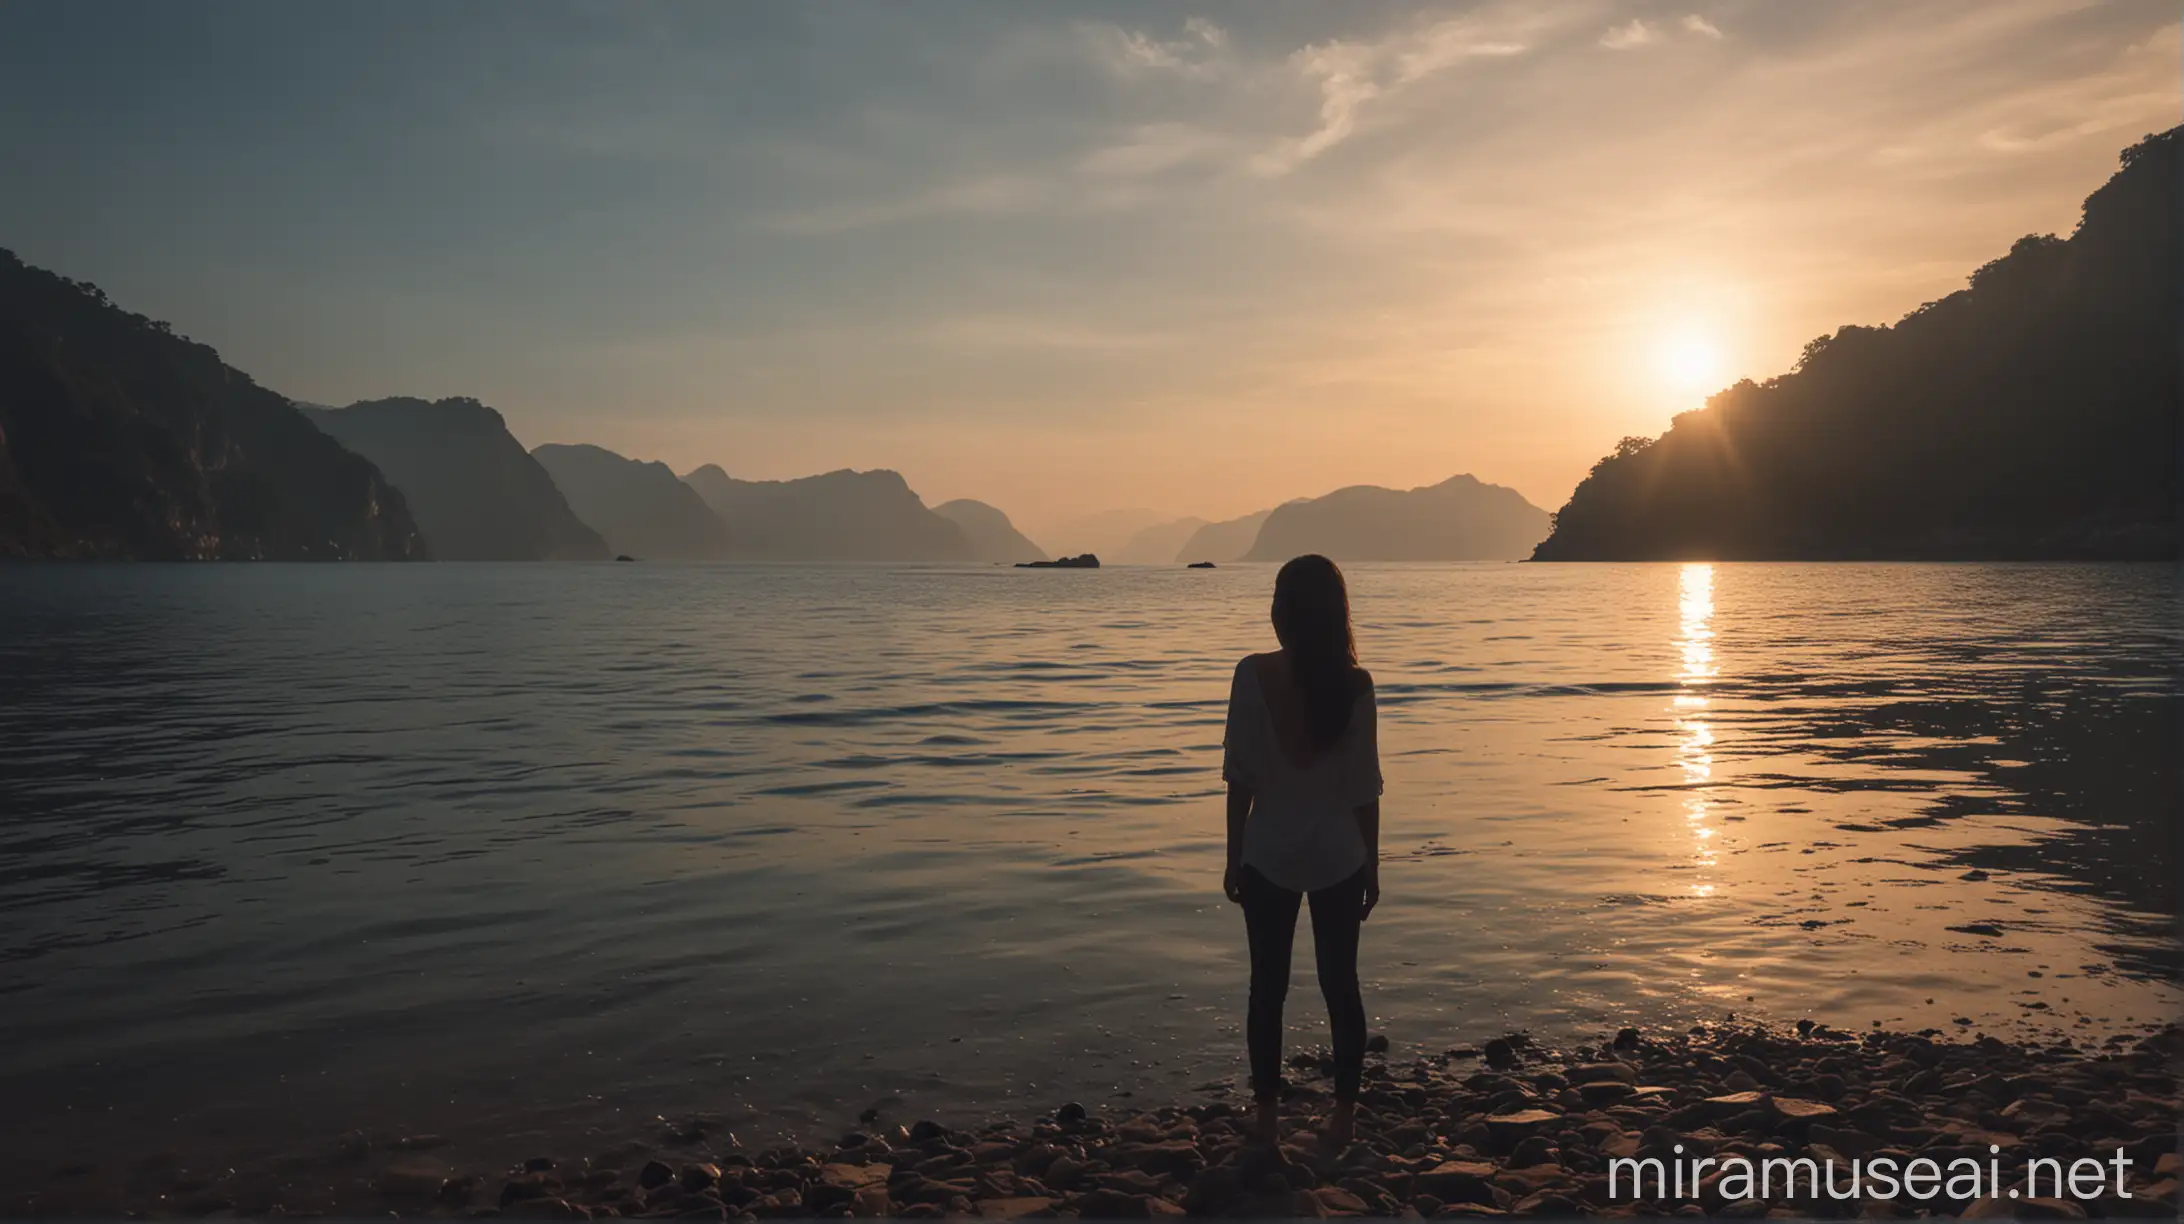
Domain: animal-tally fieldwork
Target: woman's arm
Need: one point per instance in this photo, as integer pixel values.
(1238, 739)
(1239, 810)
(1365, 784)
(1368, 826)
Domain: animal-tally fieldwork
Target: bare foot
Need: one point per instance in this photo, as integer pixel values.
(1341, 1125)
(1267, 1125)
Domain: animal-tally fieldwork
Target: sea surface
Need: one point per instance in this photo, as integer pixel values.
(533, 856)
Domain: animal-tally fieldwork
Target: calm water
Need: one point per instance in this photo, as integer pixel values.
(527, 855)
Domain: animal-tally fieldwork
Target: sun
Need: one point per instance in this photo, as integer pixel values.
(1688, 360)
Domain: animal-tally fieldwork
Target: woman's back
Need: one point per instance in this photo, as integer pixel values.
(1303, 832)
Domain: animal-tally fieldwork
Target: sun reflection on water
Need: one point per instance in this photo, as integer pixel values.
(1695, 641)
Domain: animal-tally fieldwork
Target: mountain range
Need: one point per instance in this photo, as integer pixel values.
(1159, 543)
(640, 507)
(475, 492)
(992, 536)
(120, 439)
(836, 516)
(1460, 519)
(2032, 414)
(1227, 540)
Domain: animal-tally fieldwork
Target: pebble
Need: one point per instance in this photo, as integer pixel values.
(1433, 1142)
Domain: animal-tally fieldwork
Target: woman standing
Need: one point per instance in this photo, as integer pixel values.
(1301, 759)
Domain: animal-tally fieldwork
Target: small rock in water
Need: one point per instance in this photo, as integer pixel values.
(1070, 1112)
(1499, 1053)
(1376, 1044)
(655, 1174)
(413, 1177)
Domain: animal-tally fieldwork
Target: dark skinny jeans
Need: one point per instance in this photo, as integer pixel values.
(1270, 920)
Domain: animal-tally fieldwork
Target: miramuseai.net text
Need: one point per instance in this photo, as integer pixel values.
(1882, 1177)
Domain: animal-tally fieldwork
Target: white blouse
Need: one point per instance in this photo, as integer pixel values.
(1302, 833)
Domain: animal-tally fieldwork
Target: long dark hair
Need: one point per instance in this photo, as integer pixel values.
(1312, 622)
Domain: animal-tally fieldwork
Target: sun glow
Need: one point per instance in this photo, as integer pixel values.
(1689, 360)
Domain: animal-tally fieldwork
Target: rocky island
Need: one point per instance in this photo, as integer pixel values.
(1080, 561)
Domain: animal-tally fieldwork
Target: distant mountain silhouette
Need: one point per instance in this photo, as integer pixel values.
(993, 537)
(475, 492)
(2031, 415)
(1104, 533)
(1156, 545)
(1460, 519)
(1227, 540)
(639, 507)
(122, 440)
(838, 516)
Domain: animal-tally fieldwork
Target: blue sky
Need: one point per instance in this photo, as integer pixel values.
(1063, 257)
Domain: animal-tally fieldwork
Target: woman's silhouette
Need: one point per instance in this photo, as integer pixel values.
(1302, 761)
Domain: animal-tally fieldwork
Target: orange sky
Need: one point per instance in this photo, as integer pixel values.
(1064, 258)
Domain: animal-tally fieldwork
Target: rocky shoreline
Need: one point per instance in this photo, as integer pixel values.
(1510, 1127)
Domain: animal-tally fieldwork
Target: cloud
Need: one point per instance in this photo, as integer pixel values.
(1128, 52)
(1627, 37)
(1349, 74)
(1344, 73)
(1700, 25)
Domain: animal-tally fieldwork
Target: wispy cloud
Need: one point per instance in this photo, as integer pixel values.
(1700, 25)
(1350, 74)
(1636, 33)
(1196, 52)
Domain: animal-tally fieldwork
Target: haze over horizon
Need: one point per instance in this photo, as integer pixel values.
(1068, 259)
